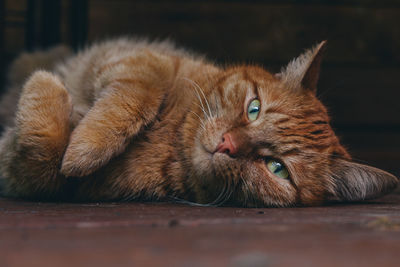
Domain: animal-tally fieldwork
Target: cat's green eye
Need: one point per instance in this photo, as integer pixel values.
(278, 169)
(253, 109)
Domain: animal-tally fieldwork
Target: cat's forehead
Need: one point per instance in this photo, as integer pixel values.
(242, 81)
(246, 76)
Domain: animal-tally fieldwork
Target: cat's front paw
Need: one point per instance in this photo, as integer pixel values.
(81, 158)
(90, 148)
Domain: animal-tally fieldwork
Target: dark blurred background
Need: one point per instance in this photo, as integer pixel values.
(360, 79)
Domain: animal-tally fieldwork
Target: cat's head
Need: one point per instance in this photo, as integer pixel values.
(258, 139)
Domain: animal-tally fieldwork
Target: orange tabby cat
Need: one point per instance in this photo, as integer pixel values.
(133, 120)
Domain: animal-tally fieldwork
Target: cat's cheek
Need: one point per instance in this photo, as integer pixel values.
(201, 161)
(267, 189)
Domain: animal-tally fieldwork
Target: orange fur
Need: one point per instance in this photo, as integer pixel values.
(146, 123)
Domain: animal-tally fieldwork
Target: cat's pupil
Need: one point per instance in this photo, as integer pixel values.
(256, 109)
(278, 167)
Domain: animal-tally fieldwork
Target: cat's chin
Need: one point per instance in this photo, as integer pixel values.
(202, 160)
(221, 159)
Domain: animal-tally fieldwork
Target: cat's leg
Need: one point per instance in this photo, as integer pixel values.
(31, 151)
(130, 99)
(106, 129)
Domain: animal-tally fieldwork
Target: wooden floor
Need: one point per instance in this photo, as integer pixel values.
(162, 234)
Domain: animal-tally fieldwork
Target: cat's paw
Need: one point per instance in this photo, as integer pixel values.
(32, 151)
(91, 146)
(43, 111)
(82, 157)
(101, 135)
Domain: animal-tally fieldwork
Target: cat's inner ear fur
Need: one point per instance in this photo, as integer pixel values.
(303, 71)
(352, 181)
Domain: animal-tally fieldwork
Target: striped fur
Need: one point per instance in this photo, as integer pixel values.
(147, 119)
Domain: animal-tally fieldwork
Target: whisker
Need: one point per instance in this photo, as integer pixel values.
(216, 105)
(202, 92)
(202, 105)
(200, 120)
(204, 112)
(250, 195)
(187, 202)
(220, 196)
(197, 93)
(225, 193)
(205, 98)
(244, 190)
(228, 193)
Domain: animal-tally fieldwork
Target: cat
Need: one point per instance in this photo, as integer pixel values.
(129, 119)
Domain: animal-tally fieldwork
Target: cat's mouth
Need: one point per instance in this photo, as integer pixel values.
(207, 159)
(206, 149)
(213, 153)
(215, 158)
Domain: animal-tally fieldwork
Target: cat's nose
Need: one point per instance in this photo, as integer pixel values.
(227, 145)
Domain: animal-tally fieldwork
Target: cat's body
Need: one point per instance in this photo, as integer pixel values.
(132, 120)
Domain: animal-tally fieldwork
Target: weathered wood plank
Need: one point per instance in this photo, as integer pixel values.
(135, 234)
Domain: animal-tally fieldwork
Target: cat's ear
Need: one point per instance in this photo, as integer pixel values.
(352, 181)
(303, 71)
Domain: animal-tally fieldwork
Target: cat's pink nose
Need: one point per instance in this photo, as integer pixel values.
(227, 145)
